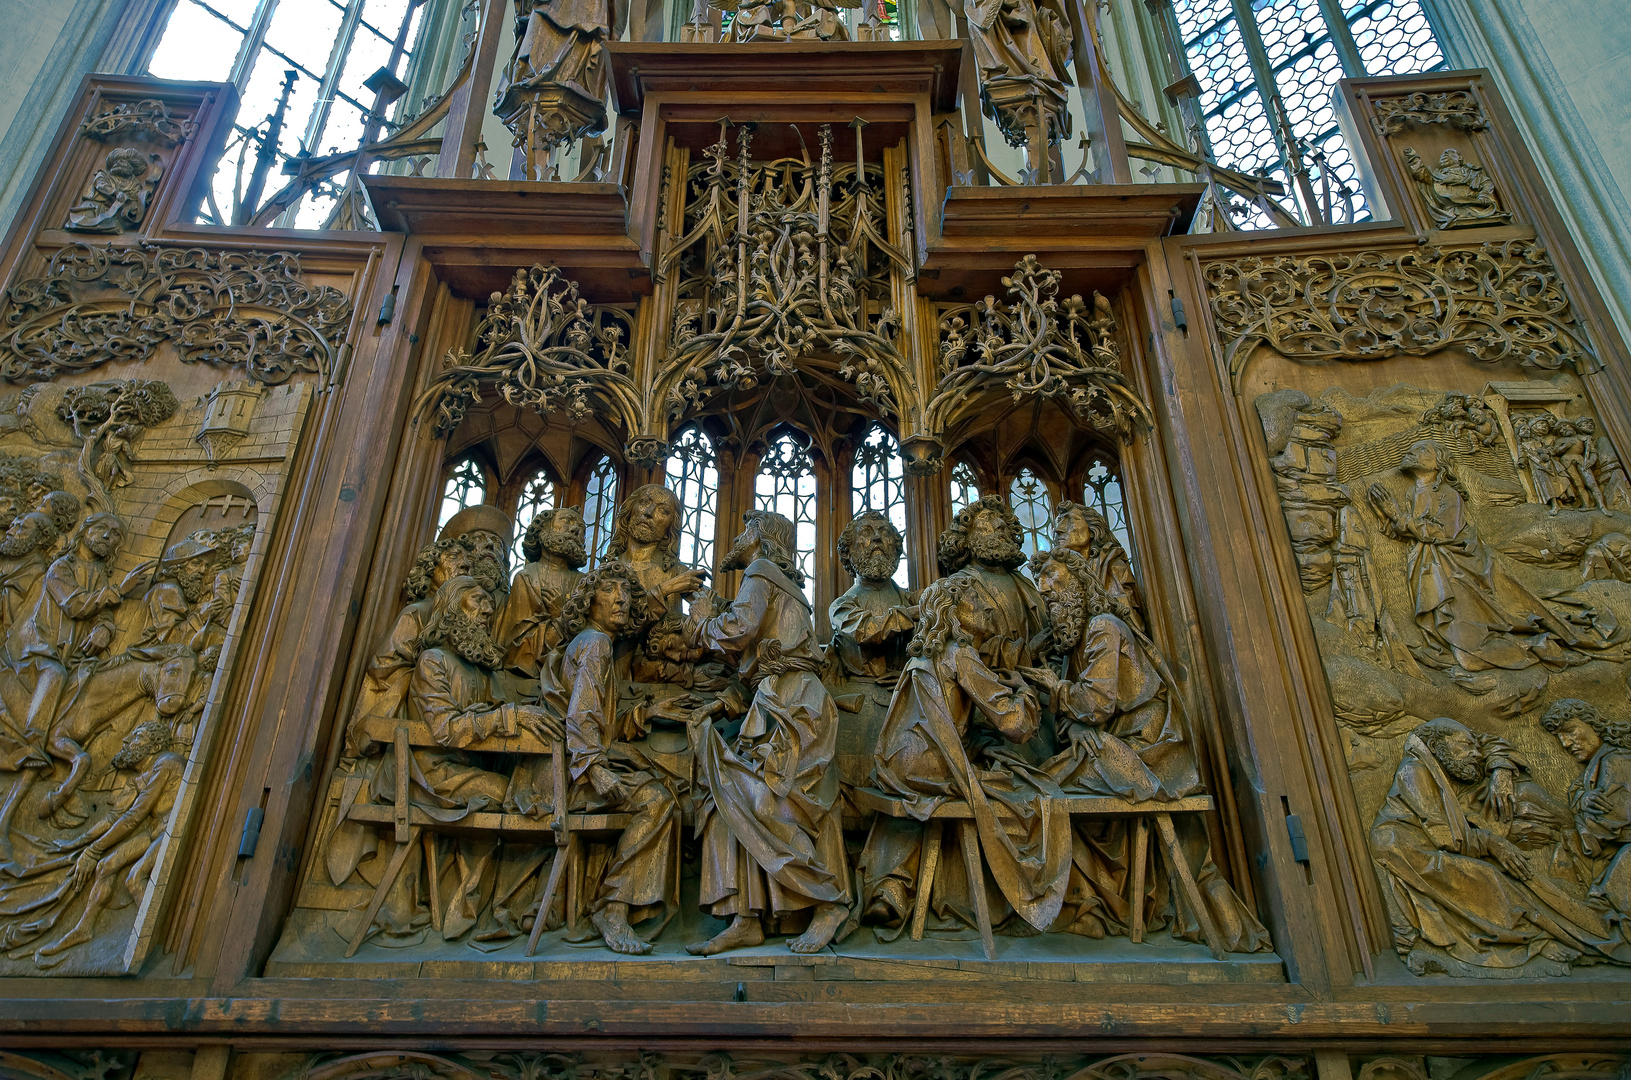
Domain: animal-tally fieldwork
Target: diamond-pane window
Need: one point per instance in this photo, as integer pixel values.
(693, 475)
(965, 487)
(536, 497)
(599, 508)
(878, 482)
(1032, 503)
(1102, 492)
(466, 486)
(786, 484)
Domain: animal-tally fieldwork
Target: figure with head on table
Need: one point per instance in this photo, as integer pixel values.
(872, 622)
(1119, 721)
(985, 538)
(608, 773)
(772, 840)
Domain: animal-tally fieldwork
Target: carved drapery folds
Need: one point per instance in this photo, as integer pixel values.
(97, 305)
(1035, 345)
(545, 348)
(774, 271)
(1501, 302)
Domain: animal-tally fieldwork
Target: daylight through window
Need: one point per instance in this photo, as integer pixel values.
(787, 484)
(599, 508)
(536, 497)
(692, 473)
(466, 486)
(1033, 505)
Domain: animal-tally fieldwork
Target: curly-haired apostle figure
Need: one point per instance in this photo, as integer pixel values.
(872, 622)
(985, 537)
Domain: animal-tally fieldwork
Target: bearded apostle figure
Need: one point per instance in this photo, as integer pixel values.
(772, 840)
(527, 624)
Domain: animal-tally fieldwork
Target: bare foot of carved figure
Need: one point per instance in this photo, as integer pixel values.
(823, 925)
(79, 935)
(744, 932)
(613, 923)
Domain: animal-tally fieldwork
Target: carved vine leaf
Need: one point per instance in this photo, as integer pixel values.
(1459, 109)
(794, 252)
(1036, 346)
(1503, 303)
(541, 346)
(148, 116)
(100, 304)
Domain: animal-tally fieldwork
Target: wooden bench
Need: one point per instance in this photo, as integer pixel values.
(410, 823)
(1076, 805)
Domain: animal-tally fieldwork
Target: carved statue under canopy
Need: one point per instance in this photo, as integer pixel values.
(1082, 529)
(874, 619)
(646, 536)
(1458, 193)
(1023, 49)
(527, 625)
(486, 532)
(553, 90)
(985, 537)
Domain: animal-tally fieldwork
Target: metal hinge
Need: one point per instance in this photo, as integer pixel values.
(1299, 841)
(252, 832)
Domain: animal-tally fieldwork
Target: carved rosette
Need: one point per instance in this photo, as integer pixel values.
(97, 305)
(1501, 302)
(1035, 345)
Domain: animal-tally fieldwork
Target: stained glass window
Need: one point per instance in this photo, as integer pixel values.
(536, 497)
(1304, 60)
(965, 486)
(787, 484)
(466, 486)
(1102, 492)
(1032, 503)
(331, 46)
(693, 475)
(599, 508)
(878, 482)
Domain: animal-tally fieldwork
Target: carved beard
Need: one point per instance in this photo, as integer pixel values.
(738, 557)
(192, 584)
(568, 547)
(472, 641)
(998, 550)
(487, 572)
(1068, 613)
(875, 565)
(14, 546)
(1466, 769)
(102, 549)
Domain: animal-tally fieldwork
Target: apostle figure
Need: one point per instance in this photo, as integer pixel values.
(527, 626)
(25, 552)
(1461, 897)
(1083, 530)
(646, 536)
(772, 841)
(985, 537)
(1601, 801)
(1020, 38)
(1122, 734)
(485, 531)
(948, 709)
(1458, 193)
(1472, 612)
(873, 621)
(116, 198)
(609, 774)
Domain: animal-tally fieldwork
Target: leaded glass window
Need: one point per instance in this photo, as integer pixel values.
(466, 486)
(965, 486)
(1102, 491)
(878, 482)
(1299, 56)
(693, 475)
(1032, 503)
(536, 497)
(599, 508)
(786, 484)
(332, 46)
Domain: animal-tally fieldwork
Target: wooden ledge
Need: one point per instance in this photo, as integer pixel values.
(1099, 805)
(432, 206)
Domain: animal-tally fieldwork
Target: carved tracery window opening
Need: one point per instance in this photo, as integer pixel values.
(537, 495)
(692, 473)
(878, 482)
(786, 484)
(599, 508)
(466, 486)
(1032, 503)
(1102, 490)
(965, 486)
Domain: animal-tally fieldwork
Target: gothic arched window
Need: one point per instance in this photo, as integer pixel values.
(536, 497)
(878, 482)
(786, 484)
(1102, 491)
(965, 486)
(1306, 53)
(692, 474)
(466, 486)
(599, 507)
(1032, 503)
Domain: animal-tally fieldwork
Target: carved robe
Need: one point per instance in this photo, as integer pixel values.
(562, 42)
(19, 584)
(1019, 612)
(461, 704)
(771, 831)
(1606, 836)
(385, 685)
(925, 758)
(1115, 573)
(526, 625)
(868, 634)
(76, 598)
(1018, 38)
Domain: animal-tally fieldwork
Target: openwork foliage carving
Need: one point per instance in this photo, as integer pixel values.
(148, 116)
(1035, 345)
(1458, 109)
(1503, 303)
(542, 347)
(783, 260)
(100, 304)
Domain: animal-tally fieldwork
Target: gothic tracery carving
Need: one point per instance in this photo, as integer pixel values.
(149, 116)
(1458, 109)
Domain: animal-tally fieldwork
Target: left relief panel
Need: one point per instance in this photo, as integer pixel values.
(152, 399)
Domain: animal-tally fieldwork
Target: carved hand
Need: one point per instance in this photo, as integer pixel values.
(688, 582)
(84, 868)
(1043, 677)
(1510, 858)
(1595, 802)
(606, 784)
(97, 640)
(540, 722)
(1502, 797)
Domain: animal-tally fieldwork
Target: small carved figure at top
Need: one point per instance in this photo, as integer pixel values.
(1083, 530)
(115, 200)
(985, 536)
(1465, 414)
(559, 67)
(555, 553)
(1538, 443)
(1023, 49)
(787, 20)
(1577, 450)
(872, 622)
(1459, 194)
